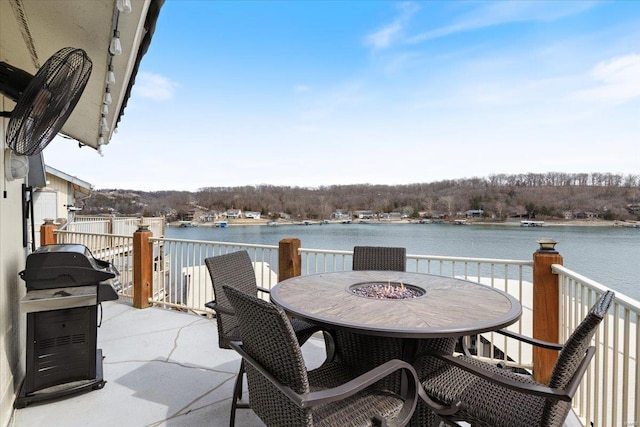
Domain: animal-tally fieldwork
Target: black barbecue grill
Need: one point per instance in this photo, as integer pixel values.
(65, 284)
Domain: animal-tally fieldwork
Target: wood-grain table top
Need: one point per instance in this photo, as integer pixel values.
(450, 306)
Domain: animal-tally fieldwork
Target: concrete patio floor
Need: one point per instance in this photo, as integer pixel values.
(163, 368)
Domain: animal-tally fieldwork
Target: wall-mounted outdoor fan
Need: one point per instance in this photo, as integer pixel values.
(45, 101)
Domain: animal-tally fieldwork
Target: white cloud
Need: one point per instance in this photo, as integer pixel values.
(383, 37)
(392, 32)
(618, 79)
(154, 86)
(503, 12)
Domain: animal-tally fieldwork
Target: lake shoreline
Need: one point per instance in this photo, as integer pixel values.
(467, 222)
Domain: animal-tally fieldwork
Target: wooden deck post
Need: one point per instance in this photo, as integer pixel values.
(546, 308)
(289, 259)
(142, 267)
(47, 235)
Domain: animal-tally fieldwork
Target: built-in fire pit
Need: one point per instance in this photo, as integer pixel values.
(386, 290)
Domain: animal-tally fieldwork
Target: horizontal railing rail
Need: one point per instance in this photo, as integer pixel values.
(608, 395)
(115, 225)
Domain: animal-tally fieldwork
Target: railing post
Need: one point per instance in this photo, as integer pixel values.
(289, 259)
(142, 266)
(47, 235)
(546, 308)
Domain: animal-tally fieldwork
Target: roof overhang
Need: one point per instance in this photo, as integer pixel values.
(32, 30)
(81, 186)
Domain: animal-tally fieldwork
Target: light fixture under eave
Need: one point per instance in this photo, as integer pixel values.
(111, 76)
(115, 47)
(16, 166)
(104, 125)
(106, 100)
(124, 6)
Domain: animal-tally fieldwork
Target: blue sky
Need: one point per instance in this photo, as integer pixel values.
(310, 93)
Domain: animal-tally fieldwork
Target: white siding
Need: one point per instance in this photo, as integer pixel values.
(12, 289)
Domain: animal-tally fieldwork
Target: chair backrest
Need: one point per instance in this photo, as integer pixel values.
(379, 258)
(233, 269)
(268, 337)
(573, 353)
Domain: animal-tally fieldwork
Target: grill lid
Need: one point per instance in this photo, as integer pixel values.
(65, 265)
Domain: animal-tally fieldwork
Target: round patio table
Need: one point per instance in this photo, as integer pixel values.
(449, 307)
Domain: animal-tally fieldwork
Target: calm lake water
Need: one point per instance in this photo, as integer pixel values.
(608, 255)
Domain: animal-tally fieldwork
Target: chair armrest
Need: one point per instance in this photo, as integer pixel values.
(532, 389)
(213, 305)
(529, 340)
(365, 380)
(322, 397)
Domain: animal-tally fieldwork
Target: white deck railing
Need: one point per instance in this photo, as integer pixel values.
(608, 395)
(115, 225)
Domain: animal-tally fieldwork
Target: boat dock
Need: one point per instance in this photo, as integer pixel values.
(529, 223)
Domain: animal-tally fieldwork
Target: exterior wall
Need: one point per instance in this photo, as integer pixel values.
(65, 197)
(12, 289)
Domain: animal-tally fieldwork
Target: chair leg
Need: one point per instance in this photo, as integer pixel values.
(237, 395)
(239, 381)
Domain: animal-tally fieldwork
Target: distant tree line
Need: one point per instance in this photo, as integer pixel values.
(548, 195)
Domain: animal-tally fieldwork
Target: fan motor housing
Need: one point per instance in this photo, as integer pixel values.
(13, 81)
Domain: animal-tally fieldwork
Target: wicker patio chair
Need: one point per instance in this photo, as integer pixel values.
(284, 393)
(483, 394)
(379, 258)
(235, 269)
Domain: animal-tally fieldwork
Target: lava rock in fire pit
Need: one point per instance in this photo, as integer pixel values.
(386, 290)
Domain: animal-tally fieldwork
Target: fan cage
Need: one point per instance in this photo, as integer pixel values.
(48, 101)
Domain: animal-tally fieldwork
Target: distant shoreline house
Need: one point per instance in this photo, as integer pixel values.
(209, 217)
(252, 215)
(391, 216)
(586, 215)
(233, 214)
(363, 214)
(340, 215)
(474, 213)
